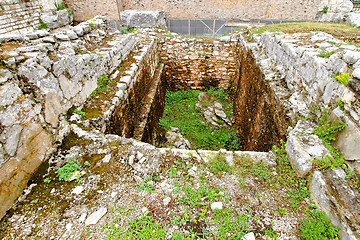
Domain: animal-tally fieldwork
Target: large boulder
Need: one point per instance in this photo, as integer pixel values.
(57, 19)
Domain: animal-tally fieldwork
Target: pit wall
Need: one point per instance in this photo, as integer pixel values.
(40, 81)
(143, 100)
(308, 80)
(17, 16)
(260, 118)
(199, 63)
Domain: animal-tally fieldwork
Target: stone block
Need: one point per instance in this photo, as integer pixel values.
(52, 108)
(135, 18)
(9, 93)
(56, 19)
(10, 137)
(302, 147)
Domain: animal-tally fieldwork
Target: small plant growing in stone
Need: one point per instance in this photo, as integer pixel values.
(325, 54)
(61, 6)
(66, 172)
(343, 78)
(42, 25)
(127, 30)
(47, 180)
(80, 113)
(325, 9)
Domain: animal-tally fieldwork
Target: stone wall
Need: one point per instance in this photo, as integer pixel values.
(40, 81)
(199, 63)
(260, 118)
(308, 81)
(230, 9)
(86, 9)
(18, 16)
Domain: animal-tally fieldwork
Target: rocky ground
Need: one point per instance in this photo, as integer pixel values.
(186, 196)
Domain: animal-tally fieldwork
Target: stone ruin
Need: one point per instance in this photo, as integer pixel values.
(49, 77)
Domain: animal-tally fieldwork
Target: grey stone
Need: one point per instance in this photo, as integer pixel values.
(95, 217)
(10, 137)
(49, 39)
(353, 18)
(350, 57)
(333, 195)
(336, 64)
(344, 7)
(348, 140)
(9, 93)
(62, 37)
(135, 18)
(10, 37)
(5, 75)
(356, 73)
(68, 87)
(56, 19)
(71, 34)
(249, 236)
(53, 108)
(302, 147)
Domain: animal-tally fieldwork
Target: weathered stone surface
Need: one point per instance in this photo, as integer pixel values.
(5, 75)
(9, 93)
(95, 216)
(53, 108)
(10, 37)
(356, 73)
(176, 139)
(348, 140)
(35, 144)
(134, 18)
(350, 57)
(353, 18)
(10, 137)
(56, 19)
(302, 147)
(324, 196)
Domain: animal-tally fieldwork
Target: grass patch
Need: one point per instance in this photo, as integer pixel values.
(143, 228)
(326, 131)
(219, 164)
(230, 225)
(336, 29)
(318, 226)
(103, 83)
(197, 197)
(325, 54)
(180, 112)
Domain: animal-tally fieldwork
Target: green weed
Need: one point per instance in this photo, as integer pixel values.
(197, 197)
(325, 9)
(142, 228)
(219, 164)
(80, 113)
(230, 225)
(103, 83)
(127, 30)
(42, 25)
(66, 172)
(326, 131)
(325, 54)
(317, 226)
